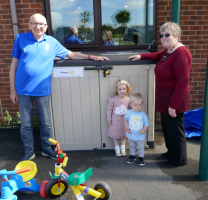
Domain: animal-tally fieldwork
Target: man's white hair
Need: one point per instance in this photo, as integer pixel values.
(40, 16)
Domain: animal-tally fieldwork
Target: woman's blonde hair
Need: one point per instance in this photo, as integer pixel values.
(136, 96)
(173, 27)
(121, 81)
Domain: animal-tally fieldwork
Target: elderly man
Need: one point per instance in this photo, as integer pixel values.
(72, 38)
(30, 78)
(136, 38)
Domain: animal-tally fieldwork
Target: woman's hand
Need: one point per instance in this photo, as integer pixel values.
(172, 112)
(109, 123)
(135, 57)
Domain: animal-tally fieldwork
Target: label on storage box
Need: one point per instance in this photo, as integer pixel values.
(59, 72)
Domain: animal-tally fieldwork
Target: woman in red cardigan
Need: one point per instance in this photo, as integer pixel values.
(172, 90)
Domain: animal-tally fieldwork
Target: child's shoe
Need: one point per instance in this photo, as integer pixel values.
(141, 162)
(131, 159)
(118, 152)
(123, 152)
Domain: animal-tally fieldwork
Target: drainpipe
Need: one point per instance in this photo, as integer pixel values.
(176, 7)
(203, 161)
(14, 17)
(146, 23)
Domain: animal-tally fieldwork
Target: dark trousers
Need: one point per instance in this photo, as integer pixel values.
(175, 139)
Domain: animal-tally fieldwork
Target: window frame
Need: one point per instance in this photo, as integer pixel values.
(98, 30)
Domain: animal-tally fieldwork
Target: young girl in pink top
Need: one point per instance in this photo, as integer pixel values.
(116, 110)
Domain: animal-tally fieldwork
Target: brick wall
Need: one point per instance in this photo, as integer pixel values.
(24, 10)
(194, 25)
(193, 21)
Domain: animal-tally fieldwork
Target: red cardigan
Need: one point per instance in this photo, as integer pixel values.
(172, 79)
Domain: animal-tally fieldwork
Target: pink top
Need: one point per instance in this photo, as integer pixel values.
(116, 111)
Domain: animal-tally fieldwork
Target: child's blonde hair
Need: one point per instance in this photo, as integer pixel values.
(136, 96)
(122, 81)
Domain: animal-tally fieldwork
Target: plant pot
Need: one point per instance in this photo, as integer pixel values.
(11, 140)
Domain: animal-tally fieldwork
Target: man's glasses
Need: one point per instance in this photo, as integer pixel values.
(41, 25)
(166, 35)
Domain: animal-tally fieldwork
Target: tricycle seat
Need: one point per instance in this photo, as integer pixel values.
(27, 175)
(78, 178)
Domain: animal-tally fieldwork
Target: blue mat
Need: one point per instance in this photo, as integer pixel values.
(193, 123)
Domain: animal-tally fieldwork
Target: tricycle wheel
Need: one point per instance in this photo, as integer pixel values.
(42, 189)
(105, 189)
(52, 188)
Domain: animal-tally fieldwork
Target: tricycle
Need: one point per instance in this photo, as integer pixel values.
(60, 180)
(22, 179)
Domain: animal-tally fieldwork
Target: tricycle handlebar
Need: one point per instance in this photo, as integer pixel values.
(19, 171)
(62, 158)
(65, 161)
(52, 141)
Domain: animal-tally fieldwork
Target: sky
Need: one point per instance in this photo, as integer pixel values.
(66, 12)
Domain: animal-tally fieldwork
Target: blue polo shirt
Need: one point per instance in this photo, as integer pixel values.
(72, 39)
(35, 63)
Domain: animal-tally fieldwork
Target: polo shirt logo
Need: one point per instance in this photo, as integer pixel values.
(47, 47)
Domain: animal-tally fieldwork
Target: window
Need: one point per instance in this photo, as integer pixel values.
(72, 21)
(102, 24)
(124, 22)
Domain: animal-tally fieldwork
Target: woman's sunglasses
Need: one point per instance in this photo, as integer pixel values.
(166, 35)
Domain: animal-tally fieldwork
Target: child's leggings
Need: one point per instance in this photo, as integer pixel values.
(139, 144)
